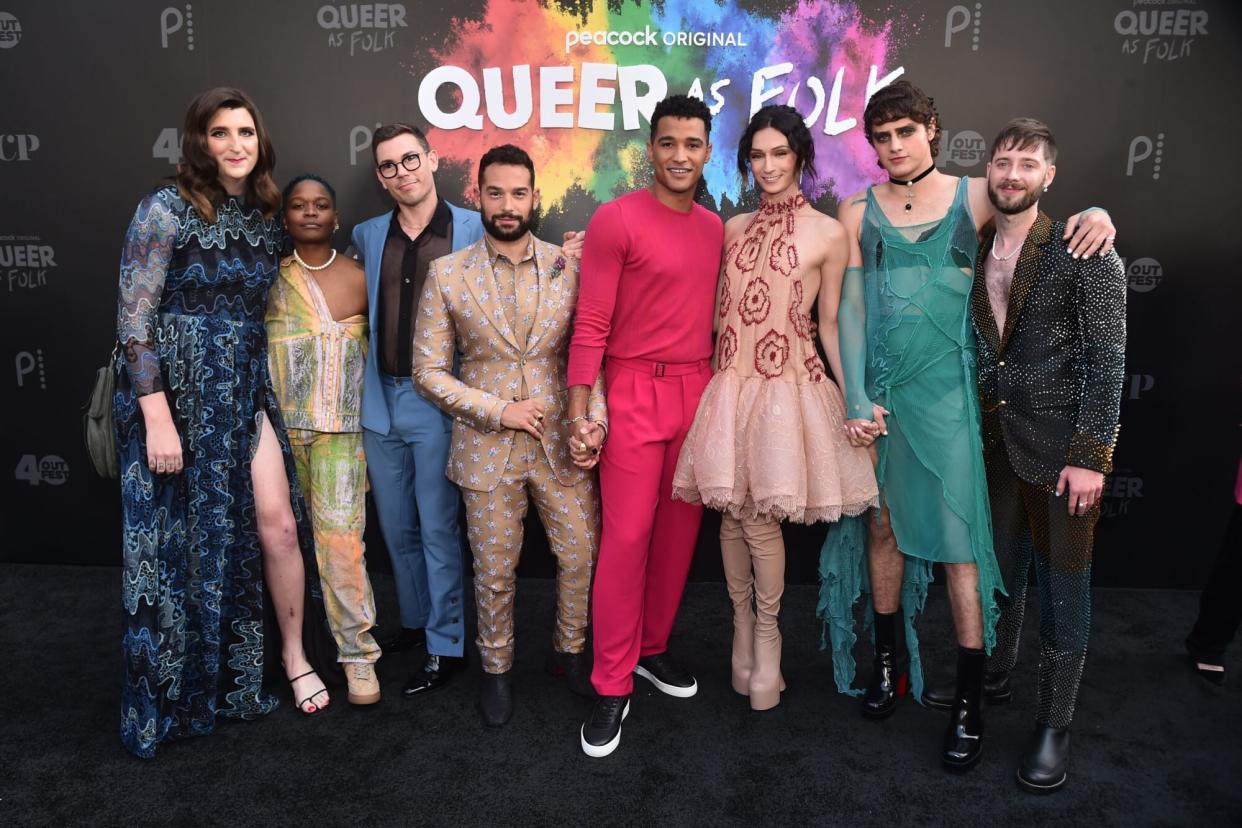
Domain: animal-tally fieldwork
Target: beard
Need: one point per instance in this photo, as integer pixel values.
(1028, 198)
(525, 224)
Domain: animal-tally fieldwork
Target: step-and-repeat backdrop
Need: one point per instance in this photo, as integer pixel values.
(1140, 94)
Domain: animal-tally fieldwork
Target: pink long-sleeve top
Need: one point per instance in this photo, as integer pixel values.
(648, 285)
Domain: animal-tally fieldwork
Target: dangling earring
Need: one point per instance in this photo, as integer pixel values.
(338, 224)
(1045, 188)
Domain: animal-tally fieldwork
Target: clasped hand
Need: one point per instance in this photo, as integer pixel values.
(862, 432)
(585, 443)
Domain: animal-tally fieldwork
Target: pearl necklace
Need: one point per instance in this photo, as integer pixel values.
(1007, 256)
(314, 268)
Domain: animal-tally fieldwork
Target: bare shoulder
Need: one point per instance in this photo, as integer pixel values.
(850, 210)
(826, 227)
(351, 266)
(734, 226)
(980, 206)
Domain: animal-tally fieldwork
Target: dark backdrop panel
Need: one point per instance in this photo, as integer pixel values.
(1140, 97)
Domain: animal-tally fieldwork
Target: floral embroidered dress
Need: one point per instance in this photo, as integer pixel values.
(190, 324)
(767, 439)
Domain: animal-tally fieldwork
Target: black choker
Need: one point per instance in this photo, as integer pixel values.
(910, 182)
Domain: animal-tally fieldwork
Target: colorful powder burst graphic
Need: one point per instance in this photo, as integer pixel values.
(818, 55)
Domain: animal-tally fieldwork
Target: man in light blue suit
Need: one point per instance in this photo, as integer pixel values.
(406, 437)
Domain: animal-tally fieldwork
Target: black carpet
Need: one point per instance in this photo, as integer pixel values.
(1153, 744)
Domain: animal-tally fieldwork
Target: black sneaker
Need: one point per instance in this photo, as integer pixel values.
(602, 732)
(666, 675)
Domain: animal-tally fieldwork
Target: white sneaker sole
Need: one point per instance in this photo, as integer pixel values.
(669, 689)
(600, 751)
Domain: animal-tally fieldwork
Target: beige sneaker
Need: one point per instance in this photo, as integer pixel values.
(363, 685)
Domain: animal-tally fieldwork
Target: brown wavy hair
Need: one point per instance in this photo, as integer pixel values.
(198, 174)
(902, 100)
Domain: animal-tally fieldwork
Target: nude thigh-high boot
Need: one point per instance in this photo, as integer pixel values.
(735, 554)
(767, 554)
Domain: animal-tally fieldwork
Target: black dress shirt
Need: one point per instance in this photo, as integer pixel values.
(402, 272)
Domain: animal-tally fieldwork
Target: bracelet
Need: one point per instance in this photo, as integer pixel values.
(604, 426)
(576, 420)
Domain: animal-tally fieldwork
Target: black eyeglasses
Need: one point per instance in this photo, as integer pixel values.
(411, 161)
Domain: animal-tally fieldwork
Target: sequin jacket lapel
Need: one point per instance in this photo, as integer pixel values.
(1050, 385)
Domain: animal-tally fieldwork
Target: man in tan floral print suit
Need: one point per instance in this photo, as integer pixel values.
(506, 303)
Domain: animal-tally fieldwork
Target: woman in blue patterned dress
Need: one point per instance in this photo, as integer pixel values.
(210, 507)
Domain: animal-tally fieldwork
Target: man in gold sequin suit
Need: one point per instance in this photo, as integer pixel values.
(1051, 348)
(506, 303)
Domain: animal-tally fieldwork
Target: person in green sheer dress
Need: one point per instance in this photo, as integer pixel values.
(908, 356)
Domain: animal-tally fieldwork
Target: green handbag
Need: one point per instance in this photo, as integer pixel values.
(97, 425)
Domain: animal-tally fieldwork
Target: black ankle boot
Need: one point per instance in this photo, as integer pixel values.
(496, 699)
(963, 741)
(996, 690)
(1043, 765)
(880, 700)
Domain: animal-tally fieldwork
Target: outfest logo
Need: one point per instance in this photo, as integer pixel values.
(577, 89)
(10, 30)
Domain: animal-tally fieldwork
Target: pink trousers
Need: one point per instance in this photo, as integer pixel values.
(648, 538)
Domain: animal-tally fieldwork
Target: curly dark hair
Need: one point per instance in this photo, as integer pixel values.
(323, 182)
(682, 106)
(788, 122)
(507, 154)
(903, 100)
(198, 174)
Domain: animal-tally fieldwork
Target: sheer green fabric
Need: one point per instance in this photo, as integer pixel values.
(852, 337)
(919, 363)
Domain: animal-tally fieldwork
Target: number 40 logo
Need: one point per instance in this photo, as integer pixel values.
(167, 146)
(51, 469)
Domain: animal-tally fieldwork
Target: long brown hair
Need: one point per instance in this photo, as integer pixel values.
(198, 174)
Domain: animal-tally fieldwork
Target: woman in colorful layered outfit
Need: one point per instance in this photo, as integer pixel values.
(768, 441)
(317, 350)
(211, 515)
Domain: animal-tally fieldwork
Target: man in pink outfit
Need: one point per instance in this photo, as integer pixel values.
(648, 286)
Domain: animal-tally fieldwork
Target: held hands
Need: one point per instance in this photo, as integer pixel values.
(862, 432)
(585, 442)
(163, 448)
(573, 244)
(526, 415)
(1085, 487)
(1089, 233)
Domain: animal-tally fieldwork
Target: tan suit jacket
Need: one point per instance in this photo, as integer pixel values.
(461, 311)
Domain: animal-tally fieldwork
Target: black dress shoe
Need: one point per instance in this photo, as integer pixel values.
(406, 639)
(601, 733)
(963, 740)
(436, 672)
(1043, 765)
(996, 690)
(880, 700)
(575, 668)
(496, 699)
(667, 676)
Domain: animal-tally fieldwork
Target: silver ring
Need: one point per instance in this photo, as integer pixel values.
(1110, 238)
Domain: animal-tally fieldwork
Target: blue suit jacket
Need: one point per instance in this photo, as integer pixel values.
(368, 239)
